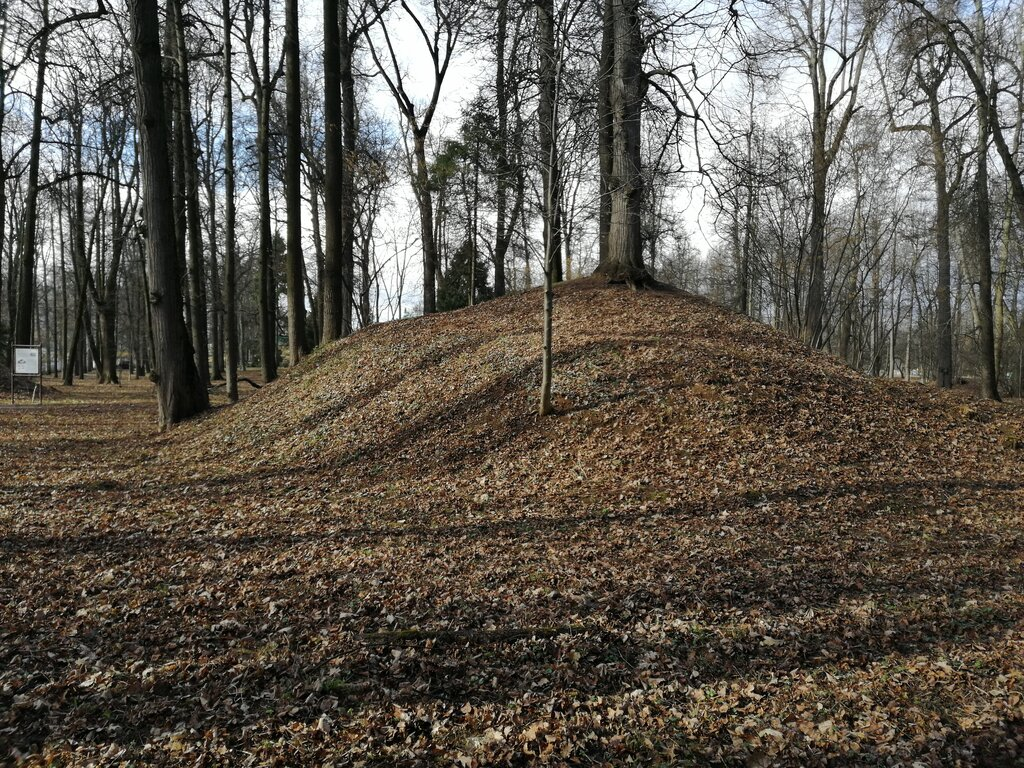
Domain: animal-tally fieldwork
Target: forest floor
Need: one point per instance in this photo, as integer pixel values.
(725, 549)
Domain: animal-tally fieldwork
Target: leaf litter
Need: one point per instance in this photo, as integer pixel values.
(724, 549)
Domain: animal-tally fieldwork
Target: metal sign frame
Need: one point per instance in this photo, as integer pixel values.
(38, 372)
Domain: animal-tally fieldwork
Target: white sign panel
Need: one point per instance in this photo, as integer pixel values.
(26, 361)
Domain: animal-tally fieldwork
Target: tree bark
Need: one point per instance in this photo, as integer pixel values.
(350, 137)
(943, 310)
(548, 71)
(989, 375)
(196, 257)
(267, 283)
(548, 130)
(624, 260)
(425, 205)
(297, 347)
(332, 290)
(230, 255)
(78, 255)
(605, 130)
(27, 268)
(501, 235)
(180, 391)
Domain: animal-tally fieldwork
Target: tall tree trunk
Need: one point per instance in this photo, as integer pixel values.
(27, 268)
(180, 391)
(217, 316)
(332, 291)
(63, 297)
(78, 253)
(106, 302)
(365, 316)
(605, 126)
(501, 239)
(216, 289)
(4, 28)
(624, 261)
(74, 351)
(744, 297)
(812, 331)
(297, 347)
(989, 375)
(317, 297)
(549, 66)
(983, 244)
(196, 257)
(943, 310)
(230, 254)
(267, 283)
(548, 132)
(179, 157)
(348, 193)
(421, 181)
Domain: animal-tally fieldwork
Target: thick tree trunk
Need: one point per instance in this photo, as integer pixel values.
(623, 261)
(332, 290)
(350, 131)
(605, 123)
(365, 316)
(73, 351)
(548, 133)
(180, 391)
(171, 104)
(108, 343)
(297, 347)
(501, 177)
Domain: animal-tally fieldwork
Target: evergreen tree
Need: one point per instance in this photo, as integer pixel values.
(454, 292)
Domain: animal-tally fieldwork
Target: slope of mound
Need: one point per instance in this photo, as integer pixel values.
(660, 396)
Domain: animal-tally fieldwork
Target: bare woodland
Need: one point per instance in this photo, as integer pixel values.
(848, 172)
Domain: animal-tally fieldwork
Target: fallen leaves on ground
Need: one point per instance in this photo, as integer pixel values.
(725, 549)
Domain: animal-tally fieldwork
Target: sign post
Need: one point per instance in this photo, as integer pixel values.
(27, 361)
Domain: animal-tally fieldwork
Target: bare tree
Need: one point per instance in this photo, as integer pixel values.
(180, 390)
(926, 70)
(264, 81)
(622, 89)
(448, 20)
(293, 186)
(831, 40)
(230, 246)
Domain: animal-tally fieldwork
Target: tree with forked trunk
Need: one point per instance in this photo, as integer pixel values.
(181, 392)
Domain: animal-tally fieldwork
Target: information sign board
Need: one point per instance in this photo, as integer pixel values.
(27, 361)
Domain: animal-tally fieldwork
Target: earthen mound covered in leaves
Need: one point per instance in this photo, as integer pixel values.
(660, 397)
(724, 550)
